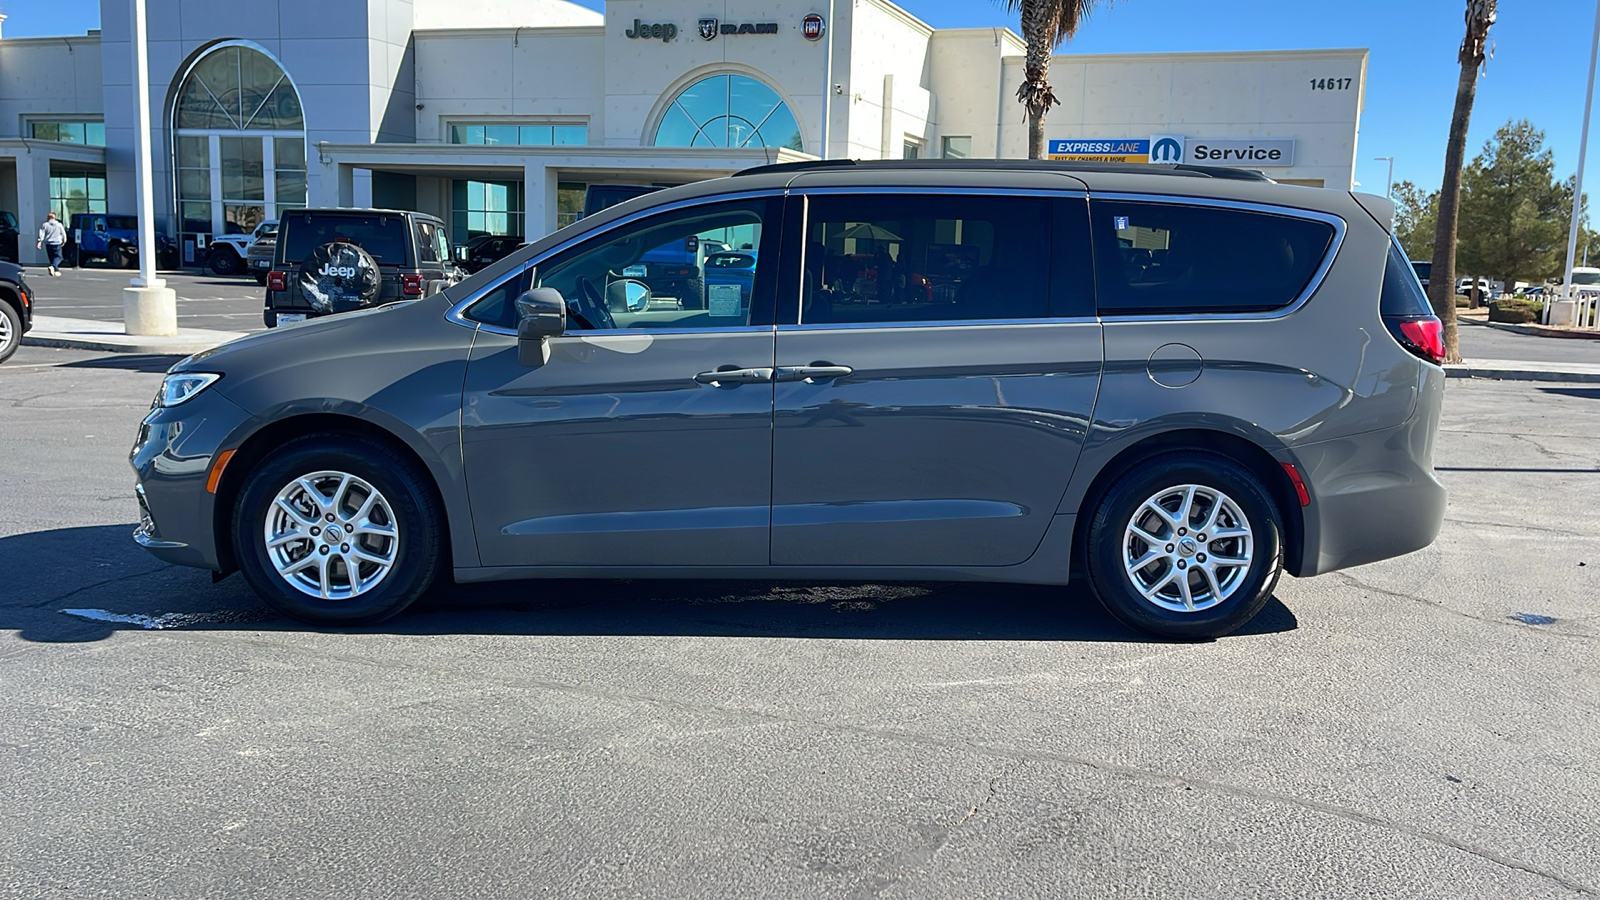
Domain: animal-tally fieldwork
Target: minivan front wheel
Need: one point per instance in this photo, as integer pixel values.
(337, 530)
(1186, 545)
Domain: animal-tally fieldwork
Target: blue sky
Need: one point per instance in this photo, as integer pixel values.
(1541, 59)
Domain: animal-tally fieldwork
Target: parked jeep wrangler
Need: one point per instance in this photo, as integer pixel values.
(336, 260)
(113, 239)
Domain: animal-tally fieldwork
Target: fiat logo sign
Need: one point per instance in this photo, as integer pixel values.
(812, 27)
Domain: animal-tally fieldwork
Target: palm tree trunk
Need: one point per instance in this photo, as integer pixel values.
(1442, 284)
(1039, 18)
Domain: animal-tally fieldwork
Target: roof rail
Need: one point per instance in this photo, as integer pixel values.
(1049, 165)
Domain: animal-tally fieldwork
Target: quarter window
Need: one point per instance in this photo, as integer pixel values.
(901, 258)
(1168, 258)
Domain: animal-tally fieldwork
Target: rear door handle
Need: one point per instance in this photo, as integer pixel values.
(731, 376)
(812, 374)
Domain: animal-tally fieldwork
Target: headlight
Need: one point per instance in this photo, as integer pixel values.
(180, 386)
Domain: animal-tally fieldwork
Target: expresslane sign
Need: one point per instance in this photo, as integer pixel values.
(1172, 148)
(1099, 149)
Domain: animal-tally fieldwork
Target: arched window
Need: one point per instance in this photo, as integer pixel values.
(728, 111)
(239, 143)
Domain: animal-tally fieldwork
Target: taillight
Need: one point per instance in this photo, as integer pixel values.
(411, 285)
(277, 281)
(1422, 335)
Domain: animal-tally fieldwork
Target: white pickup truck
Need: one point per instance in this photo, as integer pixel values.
(228, 251)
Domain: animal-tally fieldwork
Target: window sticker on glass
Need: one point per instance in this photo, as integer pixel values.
(723, 299)
(636, 272)
(1120, 222)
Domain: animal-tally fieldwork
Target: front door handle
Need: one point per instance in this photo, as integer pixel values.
(730, 376)
(813, 373)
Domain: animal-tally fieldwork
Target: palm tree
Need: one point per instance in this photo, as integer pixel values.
(1442, 284)
(1045, 25)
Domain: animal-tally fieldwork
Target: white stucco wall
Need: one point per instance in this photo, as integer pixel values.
(48, 77)
(966, 77)
(1207, 95)
(503, 75)
(888, 66)
(430, 14)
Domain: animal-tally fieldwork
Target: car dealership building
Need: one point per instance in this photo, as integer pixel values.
(496, 115)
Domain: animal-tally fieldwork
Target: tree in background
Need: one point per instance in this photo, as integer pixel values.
(1442, 284)
(1046, 24)
(1416, 216)
(1513, 210)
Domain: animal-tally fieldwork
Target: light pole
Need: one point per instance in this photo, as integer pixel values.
(1388, 185)
(148, 305)
(827, 79)
(1577, 190)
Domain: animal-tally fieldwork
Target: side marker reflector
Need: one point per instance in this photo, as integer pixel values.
(221, 462)
(1299, 483)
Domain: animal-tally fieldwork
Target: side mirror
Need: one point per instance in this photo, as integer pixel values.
(541, 314)
(628, 296)
(461, 253)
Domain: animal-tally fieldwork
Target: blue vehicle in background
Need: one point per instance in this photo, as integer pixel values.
(113, 240)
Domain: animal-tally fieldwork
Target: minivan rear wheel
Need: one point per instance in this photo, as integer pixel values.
(337, 530)
(1185, 545)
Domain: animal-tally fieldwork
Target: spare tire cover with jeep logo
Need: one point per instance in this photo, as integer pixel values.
(340, 276)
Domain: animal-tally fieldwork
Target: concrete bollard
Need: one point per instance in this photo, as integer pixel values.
(150, 310)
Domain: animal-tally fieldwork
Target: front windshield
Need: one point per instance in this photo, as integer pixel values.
(1590, 277)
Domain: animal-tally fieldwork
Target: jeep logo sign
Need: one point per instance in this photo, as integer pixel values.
(332, 271)
(660, 31)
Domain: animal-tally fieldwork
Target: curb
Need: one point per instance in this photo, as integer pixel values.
(175, 347)
(1504, 374)
(108, 337)
(1535, 330)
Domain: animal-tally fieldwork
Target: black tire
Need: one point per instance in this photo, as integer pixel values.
(261, 279)
(340, 276)
(224, 261)
(10, 330)
(116, 259)
(1245, 589)
(417, 549)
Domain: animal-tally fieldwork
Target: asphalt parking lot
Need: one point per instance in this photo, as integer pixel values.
(1423, 727)
(204, 300)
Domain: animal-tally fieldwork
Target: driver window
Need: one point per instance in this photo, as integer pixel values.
(692, 268)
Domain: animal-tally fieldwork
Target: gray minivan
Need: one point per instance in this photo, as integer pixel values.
(1180, 381)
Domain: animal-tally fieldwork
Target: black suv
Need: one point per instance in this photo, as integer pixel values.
(335, 260)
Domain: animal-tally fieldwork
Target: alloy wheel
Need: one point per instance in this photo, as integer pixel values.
(1188, 548)
(331, 535)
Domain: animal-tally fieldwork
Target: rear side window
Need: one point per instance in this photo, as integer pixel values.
(1174, 259)
(904, 258)
(1402, 292)
(383, 236)
(123, 223)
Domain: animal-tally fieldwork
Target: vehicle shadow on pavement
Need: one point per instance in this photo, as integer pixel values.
(108, 584)
(127, 362)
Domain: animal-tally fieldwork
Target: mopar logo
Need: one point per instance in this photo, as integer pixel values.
(1166, 149)
(333, 271)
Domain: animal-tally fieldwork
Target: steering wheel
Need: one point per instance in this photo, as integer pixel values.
(592, 307)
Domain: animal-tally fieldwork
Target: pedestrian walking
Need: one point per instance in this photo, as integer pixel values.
(51, 237)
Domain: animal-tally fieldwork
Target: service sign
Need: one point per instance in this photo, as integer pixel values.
(1249, 153)
(1099, 149)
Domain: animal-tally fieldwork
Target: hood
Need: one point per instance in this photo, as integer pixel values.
(10, 271)
(288, 340)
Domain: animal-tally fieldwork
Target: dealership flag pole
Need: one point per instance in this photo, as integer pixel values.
(148, 306)
(1577, 190)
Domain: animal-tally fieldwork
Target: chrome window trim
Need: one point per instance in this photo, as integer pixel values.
(940, 323)
(456, 311)
(1317, 277)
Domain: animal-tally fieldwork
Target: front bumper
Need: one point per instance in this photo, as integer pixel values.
(171, 458)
